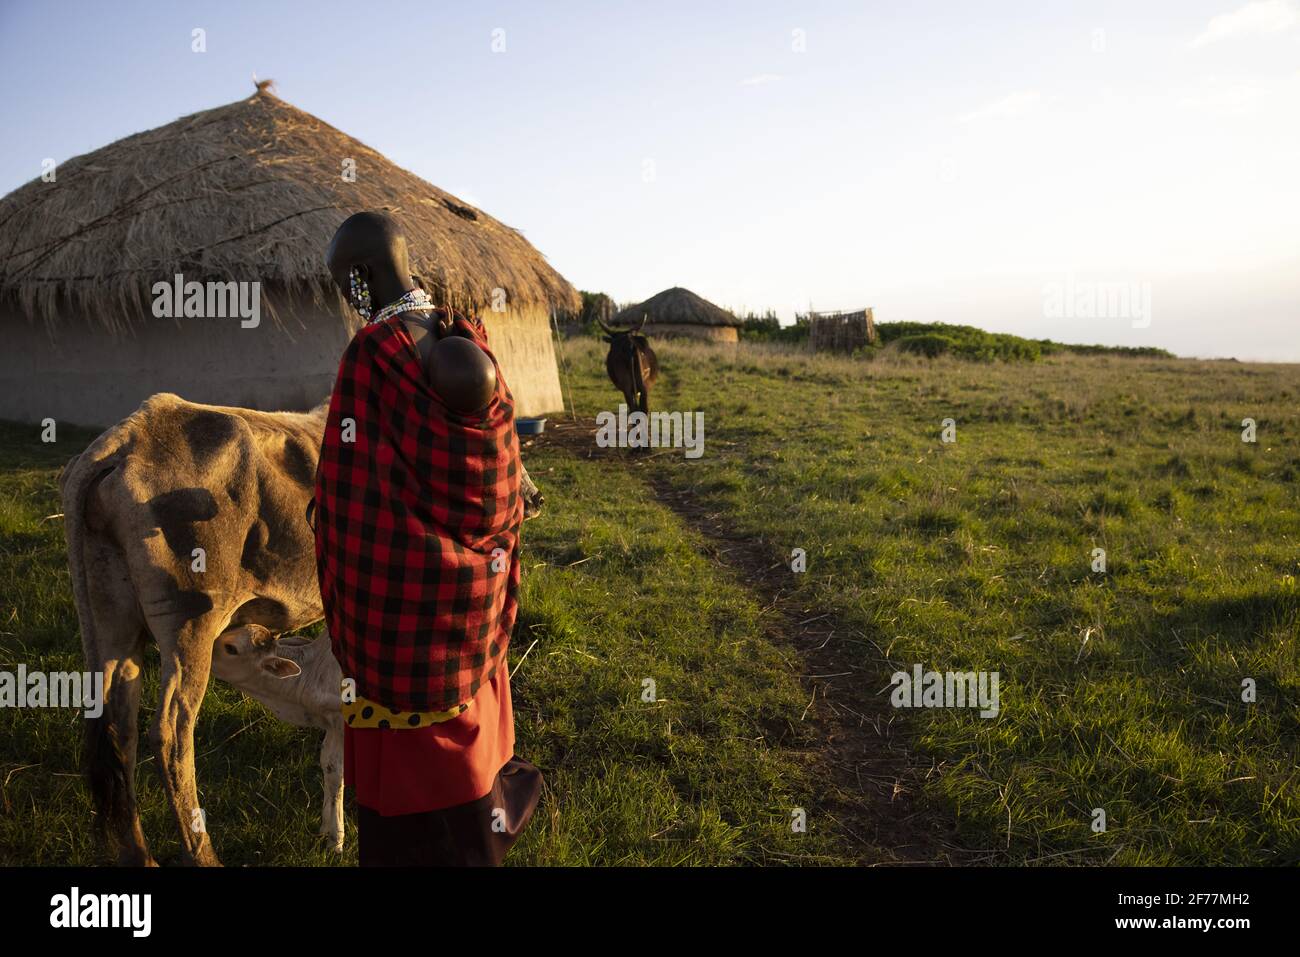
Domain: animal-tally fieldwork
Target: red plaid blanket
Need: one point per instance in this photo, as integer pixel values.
(417, 527)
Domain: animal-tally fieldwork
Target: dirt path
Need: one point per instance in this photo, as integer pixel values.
(872, 780)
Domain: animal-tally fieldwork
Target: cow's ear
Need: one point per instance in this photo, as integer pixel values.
(281, 667)
(608, 338)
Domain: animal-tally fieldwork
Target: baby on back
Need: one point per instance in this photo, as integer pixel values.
(455, 367)
(368, 259)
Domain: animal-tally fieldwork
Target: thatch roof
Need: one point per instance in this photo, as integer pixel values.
(252, 190)
(678, 306)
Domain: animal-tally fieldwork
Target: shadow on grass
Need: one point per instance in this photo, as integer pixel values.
(1242, 616)
(24, 448)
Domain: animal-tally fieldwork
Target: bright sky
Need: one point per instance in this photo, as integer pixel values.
(954, 162)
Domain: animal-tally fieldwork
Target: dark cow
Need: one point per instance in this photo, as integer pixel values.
(631, 364)
(184, 521)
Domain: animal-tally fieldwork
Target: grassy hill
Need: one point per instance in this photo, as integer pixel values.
(933, 339)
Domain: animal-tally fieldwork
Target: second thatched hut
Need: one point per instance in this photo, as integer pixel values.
(680, 312)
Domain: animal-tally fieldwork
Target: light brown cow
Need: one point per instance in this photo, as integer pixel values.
(184, 521)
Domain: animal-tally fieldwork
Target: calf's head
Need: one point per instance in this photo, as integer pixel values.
(243, 653)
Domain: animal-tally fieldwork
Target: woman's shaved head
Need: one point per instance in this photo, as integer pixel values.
(374, 242)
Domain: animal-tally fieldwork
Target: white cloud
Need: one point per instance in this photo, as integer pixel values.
(760, 79)
(1255, 18)
(1013, 104)
(1244, 95)
(1219, 97)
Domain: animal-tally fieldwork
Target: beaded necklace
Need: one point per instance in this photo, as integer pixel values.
(413, 300)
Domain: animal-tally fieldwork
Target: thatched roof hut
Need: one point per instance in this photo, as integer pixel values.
(680, 312)
(247, 192)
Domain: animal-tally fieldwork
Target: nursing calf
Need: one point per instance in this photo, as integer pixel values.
(299, 681)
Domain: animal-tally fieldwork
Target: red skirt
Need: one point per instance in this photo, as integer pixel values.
(414, 770)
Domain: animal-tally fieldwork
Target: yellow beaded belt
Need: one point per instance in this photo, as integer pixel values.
(363, 713)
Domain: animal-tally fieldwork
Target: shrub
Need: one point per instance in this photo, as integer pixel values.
(927, 344)
(767, 328)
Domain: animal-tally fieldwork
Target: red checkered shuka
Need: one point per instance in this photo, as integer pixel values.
(412, 505)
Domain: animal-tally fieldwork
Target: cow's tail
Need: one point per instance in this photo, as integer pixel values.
(103, 763)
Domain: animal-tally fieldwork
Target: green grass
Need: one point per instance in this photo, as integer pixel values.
(976, 555)
(966, 556)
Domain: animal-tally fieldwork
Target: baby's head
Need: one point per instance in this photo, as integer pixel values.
(461, 373)
(240, 654)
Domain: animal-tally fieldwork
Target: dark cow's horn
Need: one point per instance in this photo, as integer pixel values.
(608, 330)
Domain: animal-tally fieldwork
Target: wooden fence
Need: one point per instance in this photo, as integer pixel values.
(841, 331)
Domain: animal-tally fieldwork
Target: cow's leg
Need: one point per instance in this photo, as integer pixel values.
(116, 642)
(186, 661)
(122, 710)
(331, 765)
